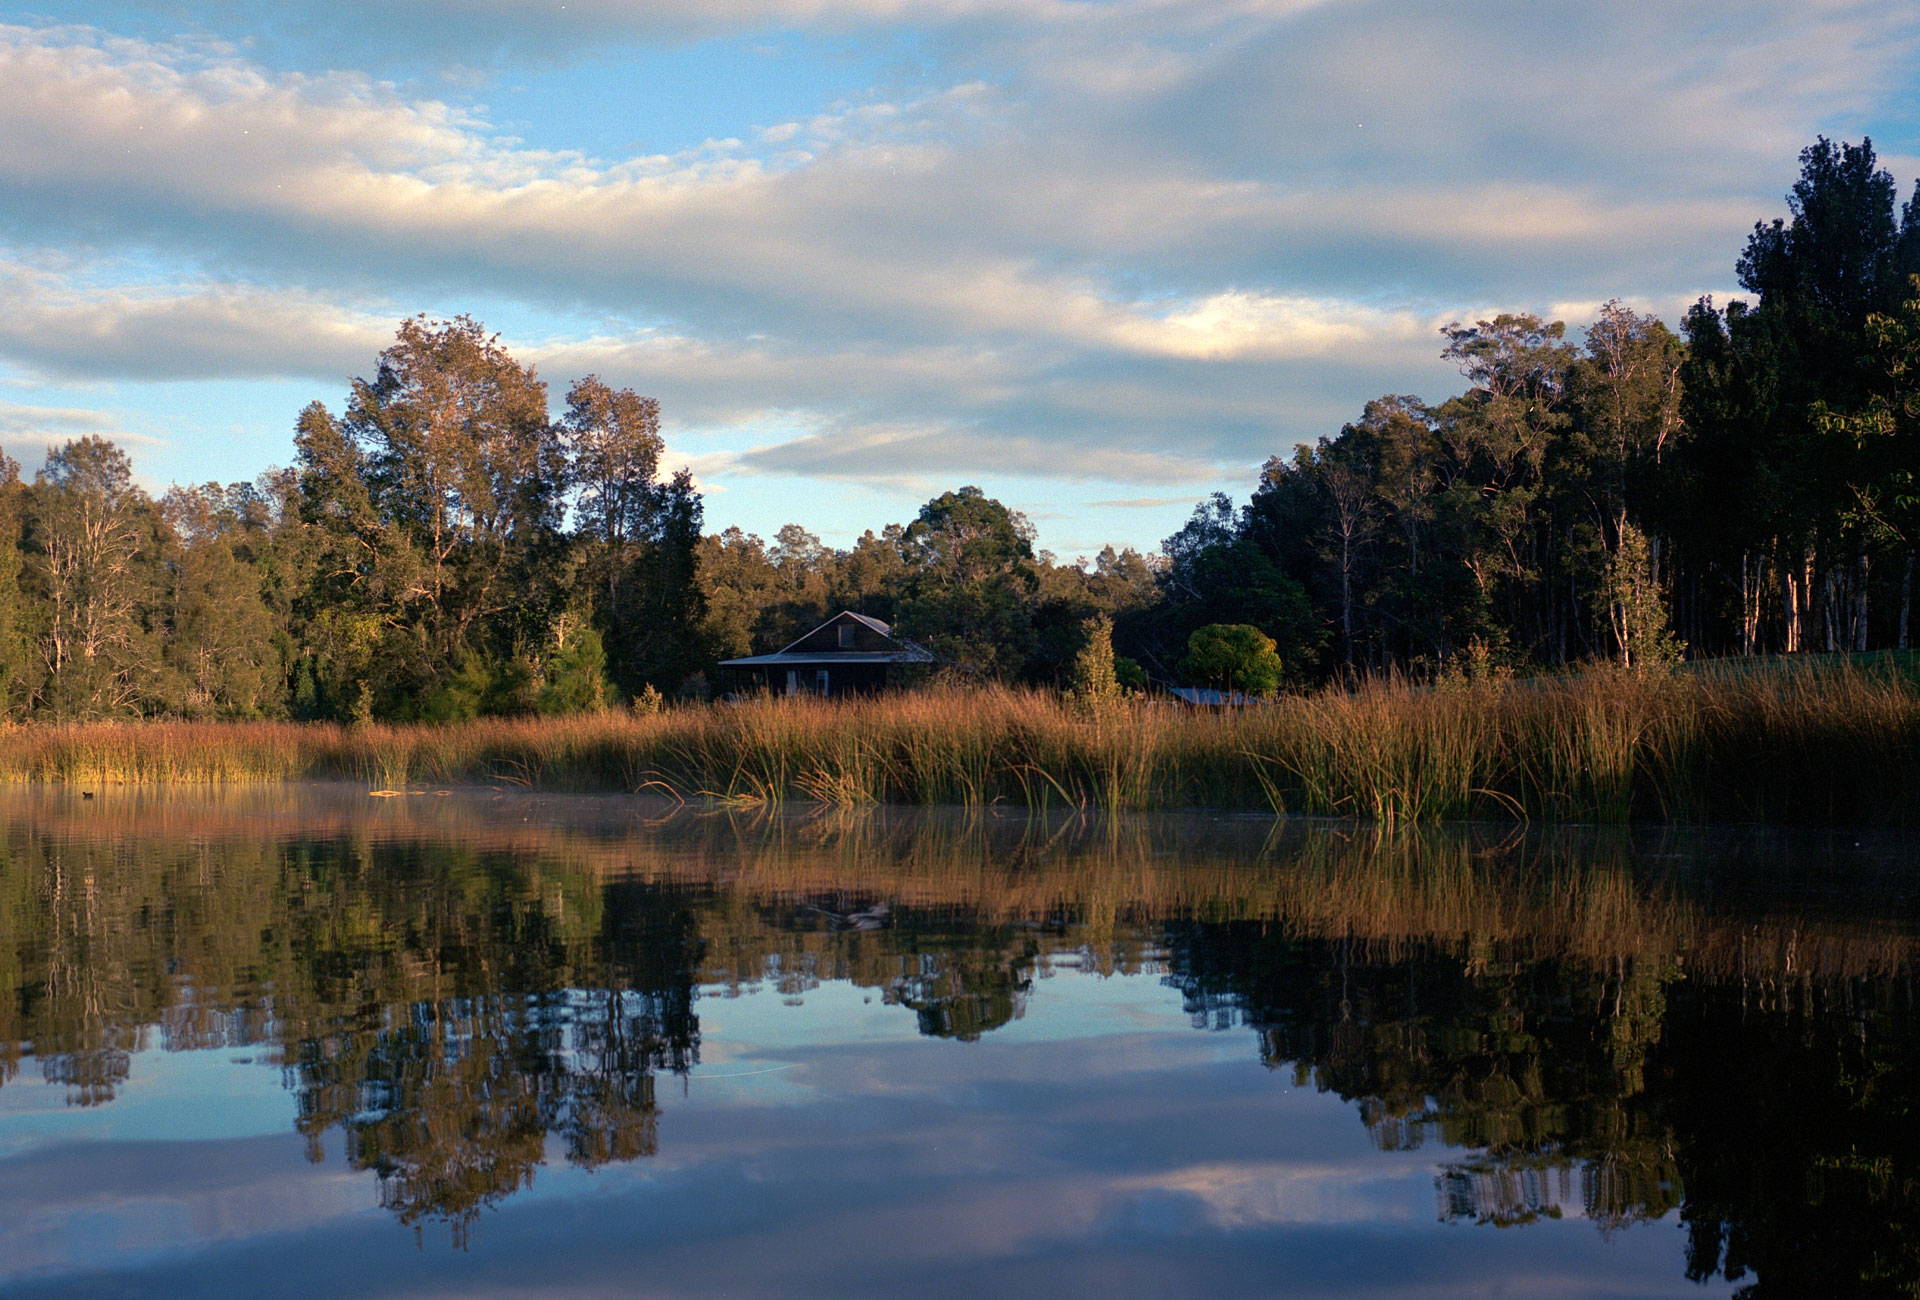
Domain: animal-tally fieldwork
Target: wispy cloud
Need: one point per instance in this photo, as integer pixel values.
(27, 432)
(1140, 503)
(1129, 242)
(180, 330)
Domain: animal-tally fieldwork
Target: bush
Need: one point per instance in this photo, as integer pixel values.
(1233, 656)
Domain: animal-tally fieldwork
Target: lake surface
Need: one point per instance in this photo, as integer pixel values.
(303, 1042)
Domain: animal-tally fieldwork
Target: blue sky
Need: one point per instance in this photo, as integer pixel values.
(1098, 256)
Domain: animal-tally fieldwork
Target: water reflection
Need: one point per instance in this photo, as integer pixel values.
(461, 991)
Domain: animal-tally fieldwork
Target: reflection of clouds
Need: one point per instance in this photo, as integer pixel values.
(1115, 1163)
(93, 1205)
(1247, 1195)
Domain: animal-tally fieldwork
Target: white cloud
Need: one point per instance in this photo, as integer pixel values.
(1135, 241)
(179, 331)
(28, 432)
(1237, 324)
(1141, 503)
(921, 458)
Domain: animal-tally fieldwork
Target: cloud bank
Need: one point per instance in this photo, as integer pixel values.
(1134, 241)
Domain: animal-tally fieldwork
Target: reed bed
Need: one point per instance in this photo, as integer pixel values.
(1840, 745)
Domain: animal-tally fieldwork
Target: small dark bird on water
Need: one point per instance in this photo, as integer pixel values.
(86, 794)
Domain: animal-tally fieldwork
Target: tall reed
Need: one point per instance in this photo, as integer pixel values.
(1835, 744)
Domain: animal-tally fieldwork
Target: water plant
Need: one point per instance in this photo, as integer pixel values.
(1830, 743)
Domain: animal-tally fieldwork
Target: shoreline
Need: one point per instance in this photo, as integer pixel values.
(1833, 748)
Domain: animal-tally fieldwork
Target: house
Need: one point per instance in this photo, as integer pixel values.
(849, 654)
(1207, 697)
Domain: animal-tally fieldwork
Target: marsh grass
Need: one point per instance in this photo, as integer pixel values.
(1832, 743)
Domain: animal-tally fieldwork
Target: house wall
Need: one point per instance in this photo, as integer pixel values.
(842, 679)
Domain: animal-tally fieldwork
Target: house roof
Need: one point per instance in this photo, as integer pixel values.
(873, 624)
(869, 642)
(1207, 697)
(824, 658)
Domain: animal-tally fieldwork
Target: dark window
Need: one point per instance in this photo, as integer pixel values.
(846, 635)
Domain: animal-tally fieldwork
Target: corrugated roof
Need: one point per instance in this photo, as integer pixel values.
(1206, 696)
(827, 658)
(907, 653)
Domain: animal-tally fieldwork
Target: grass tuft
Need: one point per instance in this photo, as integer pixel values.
(1834, 743)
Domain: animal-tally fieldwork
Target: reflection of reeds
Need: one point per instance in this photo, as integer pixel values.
(1573, 894)
(1820, 744)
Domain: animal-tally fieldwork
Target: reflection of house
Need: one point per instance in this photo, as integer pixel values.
(846, 655)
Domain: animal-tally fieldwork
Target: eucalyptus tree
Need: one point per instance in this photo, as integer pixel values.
(970, 581)
(222, 647)
(1625, 397)
(640, 535)
(457, 451)
(739, 586)
(1500, 434)
(869, 576)
(1218, 569)
(92, 538)
(17, 678)
(362, 583)
(612, 438)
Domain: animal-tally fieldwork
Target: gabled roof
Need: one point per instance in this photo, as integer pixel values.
(873, 625)
(870, 642)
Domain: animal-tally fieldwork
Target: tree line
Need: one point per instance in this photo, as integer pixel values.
(444, 548)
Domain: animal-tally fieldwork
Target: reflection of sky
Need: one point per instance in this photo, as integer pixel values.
(1097, 1146)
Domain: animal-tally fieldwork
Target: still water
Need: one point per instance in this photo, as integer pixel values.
(303, 1043)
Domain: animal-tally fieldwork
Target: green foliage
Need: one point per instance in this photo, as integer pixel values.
(17, 680)
(1234, 657)
(462, 694)
(1095, 677)
(576, 676)
(1634, 606)
(970, 581)
(1216, 572)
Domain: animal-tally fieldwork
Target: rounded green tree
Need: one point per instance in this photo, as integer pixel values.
(1234, 657)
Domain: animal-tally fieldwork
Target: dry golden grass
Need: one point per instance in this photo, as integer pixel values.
(1838, 745)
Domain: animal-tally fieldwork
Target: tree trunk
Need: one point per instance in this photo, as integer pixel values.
(1906, 598)
(1791, 601)
(1861, 562)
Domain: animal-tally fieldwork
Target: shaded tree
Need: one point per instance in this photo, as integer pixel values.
(970, 579)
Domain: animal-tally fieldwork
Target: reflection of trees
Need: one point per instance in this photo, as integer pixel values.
(961, 985)
(474, 1021)
(961, 975)
(1798, 1135)
(1536, 1068)
(1787, 1111)
(461, 1000)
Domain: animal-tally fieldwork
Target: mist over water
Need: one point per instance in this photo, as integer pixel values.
(301, 1042)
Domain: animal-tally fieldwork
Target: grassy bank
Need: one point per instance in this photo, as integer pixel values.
(1839, 745)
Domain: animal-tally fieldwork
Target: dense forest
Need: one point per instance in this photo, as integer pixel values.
(444, 548)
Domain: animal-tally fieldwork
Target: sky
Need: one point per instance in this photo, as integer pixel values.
(1098, 257)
